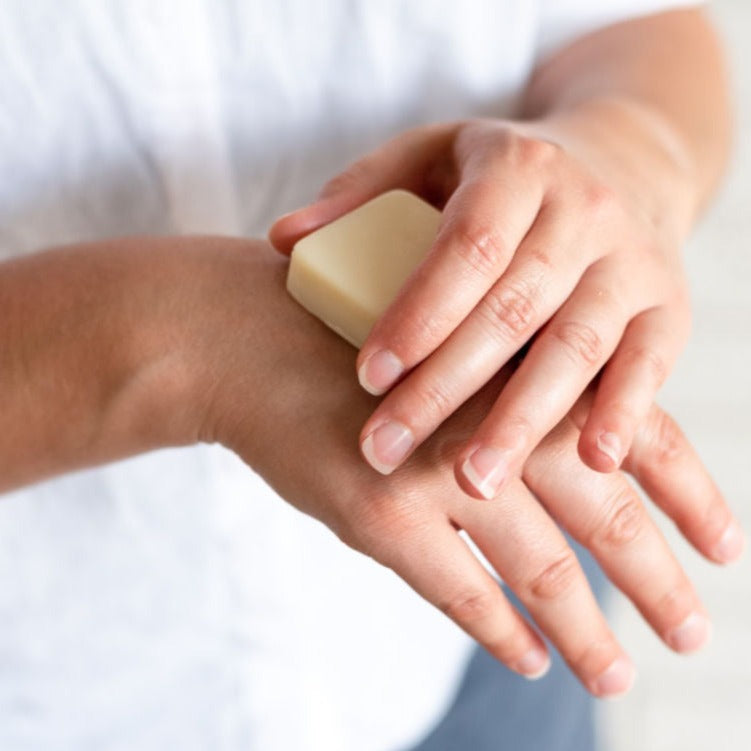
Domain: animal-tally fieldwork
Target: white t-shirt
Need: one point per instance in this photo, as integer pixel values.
(173, 601)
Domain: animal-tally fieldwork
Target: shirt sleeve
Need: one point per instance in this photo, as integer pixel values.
(563, 21)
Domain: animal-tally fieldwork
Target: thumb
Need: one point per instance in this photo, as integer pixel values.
(403, 162)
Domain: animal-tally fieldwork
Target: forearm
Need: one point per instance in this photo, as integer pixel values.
(653, 92)
(100, 348)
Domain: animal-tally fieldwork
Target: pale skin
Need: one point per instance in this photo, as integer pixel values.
(562, 230)
(116, 348)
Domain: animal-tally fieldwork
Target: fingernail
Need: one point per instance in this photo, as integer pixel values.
(616, 679)
(486, 469)
(387, 445)
(610, 445)
(380, 371)
(534, 664)
(691, 635)
(731, 544)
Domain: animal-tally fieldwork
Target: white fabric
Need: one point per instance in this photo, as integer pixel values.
(172, 601)
(562, 21)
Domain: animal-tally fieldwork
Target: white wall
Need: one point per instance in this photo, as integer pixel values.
(703, 702)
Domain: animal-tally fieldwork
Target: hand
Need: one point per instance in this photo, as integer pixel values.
(276, 386)
(533, 241)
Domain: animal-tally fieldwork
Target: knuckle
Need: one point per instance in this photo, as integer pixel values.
(594, 657)
(472, 606)
(648, 248)
(600, 202)
(481, 248)
(522, 428)
(581, 341)
(424, 329)
(648, 359)
(557, 578)
(378, 523)
(435, 399)
(478, 135)
(621, 410)
(624, 521)
(537, 152)
(428, 326)
(543, 260)
(673, 606)
(510, 309)
(353, 176)
(355, 527)
(667, 442)
(518, 429)
(703, 524)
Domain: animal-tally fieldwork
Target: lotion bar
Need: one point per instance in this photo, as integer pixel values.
(347, 272)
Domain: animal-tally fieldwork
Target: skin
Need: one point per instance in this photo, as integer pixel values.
(117, 348)
(561, 232)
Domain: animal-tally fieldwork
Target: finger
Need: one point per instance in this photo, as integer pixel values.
(440, 567)
(483, 224)
(539, 278)
(562, 361)
(673, 475)
(668, 468)
(530, 553)
(604, 513)
(629, 383)
(405, 161)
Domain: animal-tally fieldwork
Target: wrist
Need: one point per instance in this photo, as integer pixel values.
(634, 148)
(204, 344)
(239, 339)
(178, 311)
(266, 375)
(154, 301)
(124, 346)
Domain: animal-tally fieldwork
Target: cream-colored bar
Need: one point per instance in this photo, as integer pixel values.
(347, 272)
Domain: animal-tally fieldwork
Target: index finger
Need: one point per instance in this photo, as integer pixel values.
(483, 224)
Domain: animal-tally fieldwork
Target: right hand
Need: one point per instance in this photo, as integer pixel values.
(277, 387)
(573, 264)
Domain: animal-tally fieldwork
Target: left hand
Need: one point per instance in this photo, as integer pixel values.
(271, 382)
(533, 240)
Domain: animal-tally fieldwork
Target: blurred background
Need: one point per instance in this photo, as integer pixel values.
(703, 702)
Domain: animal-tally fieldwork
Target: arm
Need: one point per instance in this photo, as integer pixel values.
(646, 103)
(136, 344)
(563, 229)
(653, 94)
(88, 371)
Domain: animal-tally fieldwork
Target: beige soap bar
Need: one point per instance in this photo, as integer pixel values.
(347, 272)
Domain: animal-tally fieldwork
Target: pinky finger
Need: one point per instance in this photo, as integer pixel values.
(671, 473)
(441, 568)
(627, 388)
